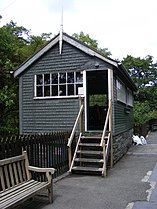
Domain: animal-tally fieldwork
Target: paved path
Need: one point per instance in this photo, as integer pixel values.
(128, 186)
(151, 202)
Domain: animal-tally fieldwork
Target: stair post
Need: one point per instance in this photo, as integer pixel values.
(81, 101)
(69, 156)
(110, 96)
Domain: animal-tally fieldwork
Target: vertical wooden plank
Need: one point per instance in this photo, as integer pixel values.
(40, 154)
(11, 175)
(37, 150)
(53, 152)
(2, 179)
(44, 152)
(15, 173)
(7, 176)
(28, 175)
(23, 170)
(19, 172)
(50, 151)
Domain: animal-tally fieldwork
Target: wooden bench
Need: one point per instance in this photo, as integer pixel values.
(16, 183)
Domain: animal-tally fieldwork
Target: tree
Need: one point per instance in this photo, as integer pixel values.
(16, 45)
(85, 38)
(144, 73)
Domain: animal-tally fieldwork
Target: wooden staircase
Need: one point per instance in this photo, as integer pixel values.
(89, 156)
(92, 149)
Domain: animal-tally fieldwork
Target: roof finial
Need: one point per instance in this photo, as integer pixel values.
(61, 30)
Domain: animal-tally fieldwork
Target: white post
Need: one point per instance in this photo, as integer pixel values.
(85, 97)
(110, 98)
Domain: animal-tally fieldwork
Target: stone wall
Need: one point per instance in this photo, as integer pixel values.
(121, 143)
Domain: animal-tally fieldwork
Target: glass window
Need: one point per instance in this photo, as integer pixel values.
(58, 84)
(70, 89)
(46, 79)
(129, 98)
(39, 91)
(79, 77)
(62, 77)
(55, 78)
(62, 90)
(39, 79)
(70, 77)
(121, 91)
(54, 90)
(46, 91)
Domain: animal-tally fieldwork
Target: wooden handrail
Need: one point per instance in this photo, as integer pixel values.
(108, 142)
(105, 126)
(72, 163)
(74, 127)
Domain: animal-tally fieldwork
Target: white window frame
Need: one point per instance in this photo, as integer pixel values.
(58, 84)
(130, 98)
(121, 86)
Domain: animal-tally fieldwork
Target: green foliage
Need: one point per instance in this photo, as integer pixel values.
(16, 45)
(143, 112)
(144, 73)
(85, 38)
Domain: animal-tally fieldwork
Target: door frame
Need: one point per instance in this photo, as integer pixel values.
(110, 90)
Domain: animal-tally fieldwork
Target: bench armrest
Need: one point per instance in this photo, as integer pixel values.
(41, 170)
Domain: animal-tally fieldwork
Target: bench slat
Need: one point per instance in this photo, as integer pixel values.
(22, 189)
(24, 195)
(15, 173)
(11, 175)
(11, 160)
(16, 182)
(2, 179)
(23, 170)
(7, 191)
(19, 171)
(7, 176)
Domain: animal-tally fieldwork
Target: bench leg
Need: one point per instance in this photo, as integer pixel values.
(50, 193)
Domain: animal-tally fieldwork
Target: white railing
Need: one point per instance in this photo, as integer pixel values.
(73, 133)
(104, 145)
(105, 126)
(72, 163)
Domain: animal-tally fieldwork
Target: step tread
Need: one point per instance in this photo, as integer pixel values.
(90, 144)
(90, 137)
(90, 152)
(81, 168)
(89, 160)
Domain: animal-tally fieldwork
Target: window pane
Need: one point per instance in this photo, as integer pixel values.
(39, 91)
(39, 79)
(62, 90)
(121, 91)
(71, 89)
(77, 86)
(47, 79)
(62, 78)
(55, 78)
(46, 91)
(55, 90)
(79, 77)
(70, 77)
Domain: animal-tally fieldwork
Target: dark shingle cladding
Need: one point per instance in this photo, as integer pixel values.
(119, 68)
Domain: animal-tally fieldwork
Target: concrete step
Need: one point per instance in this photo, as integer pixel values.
(89, 160)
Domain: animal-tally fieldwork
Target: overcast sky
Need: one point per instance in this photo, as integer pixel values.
(122, 26)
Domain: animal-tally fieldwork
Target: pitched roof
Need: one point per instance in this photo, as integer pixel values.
(78, 44)
(69, 40)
